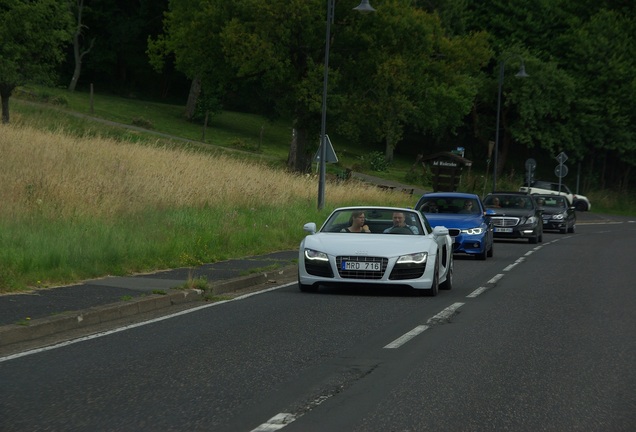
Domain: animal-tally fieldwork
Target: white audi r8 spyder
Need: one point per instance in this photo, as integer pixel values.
(395, 247)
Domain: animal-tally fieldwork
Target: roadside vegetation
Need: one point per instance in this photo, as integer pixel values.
(77, 207)
(83, 199)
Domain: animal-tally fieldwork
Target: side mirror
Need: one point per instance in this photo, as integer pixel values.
(310, 227)
(440, 231)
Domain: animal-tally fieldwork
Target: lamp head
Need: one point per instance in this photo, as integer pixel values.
(522, 71)
(364, 7)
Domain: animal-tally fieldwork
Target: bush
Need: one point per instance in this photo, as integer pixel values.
(142, 122)
(59, 100)
(377, 161)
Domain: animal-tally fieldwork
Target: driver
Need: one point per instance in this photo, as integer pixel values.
(399, 221)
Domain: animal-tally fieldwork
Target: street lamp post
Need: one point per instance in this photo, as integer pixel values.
(521, 74)
(363, 7)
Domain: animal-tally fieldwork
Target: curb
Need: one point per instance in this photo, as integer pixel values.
(43, 327)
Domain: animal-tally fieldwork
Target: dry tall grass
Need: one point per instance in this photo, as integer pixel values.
(66, 176)
(78, 208)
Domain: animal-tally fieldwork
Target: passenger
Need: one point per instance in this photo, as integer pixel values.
(356, 223)
(400, 226)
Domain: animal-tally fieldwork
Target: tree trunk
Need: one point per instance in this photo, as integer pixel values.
(388, 151)
(5, 94)
(78, 54)
(78, 65)
(193, 97)
(299, 158)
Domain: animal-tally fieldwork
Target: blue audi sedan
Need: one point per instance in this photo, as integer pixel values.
(465, 217)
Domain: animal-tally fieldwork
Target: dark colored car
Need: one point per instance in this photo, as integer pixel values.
(465, 217)
(557, 213)
(516, 216)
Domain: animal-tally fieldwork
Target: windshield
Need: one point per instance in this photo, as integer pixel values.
(450, 205)
(375, 221)
(508, 202)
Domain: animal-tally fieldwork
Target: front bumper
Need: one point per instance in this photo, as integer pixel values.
(332, 272)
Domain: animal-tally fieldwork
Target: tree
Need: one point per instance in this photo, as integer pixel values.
(412, 73)
(33, 35)
(606, 93)
(78, 51)
(581, 91)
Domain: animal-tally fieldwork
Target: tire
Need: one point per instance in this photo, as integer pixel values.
(534, 240)
(448, 283)
(572, 229)
(580, 206)
(563, 230)
(491, 251)
(481, 256)
(435, 286)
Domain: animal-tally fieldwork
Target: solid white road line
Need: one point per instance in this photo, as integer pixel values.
(131, 326)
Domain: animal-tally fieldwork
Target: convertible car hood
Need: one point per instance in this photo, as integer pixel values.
(369, 244)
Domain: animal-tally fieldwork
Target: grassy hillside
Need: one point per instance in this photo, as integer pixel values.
(81, 200)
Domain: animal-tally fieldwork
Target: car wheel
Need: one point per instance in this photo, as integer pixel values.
(534, 240)
(434, 287)
(491, 250)
(563, 230)
(448, 283)
(580, 206)
(306, 288)
(482, 255)
(571, 229)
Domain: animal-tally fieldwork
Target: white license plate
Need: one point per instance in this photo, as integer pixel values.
(503, 230)
(361, 266)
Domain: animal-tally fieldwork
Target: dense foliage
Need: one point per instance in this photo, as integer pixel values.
(414, 77)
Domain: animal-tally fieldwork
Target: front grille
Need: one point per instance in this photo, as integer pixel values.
(505, 221)
(361, 274)
(411, 271)
(453, 232)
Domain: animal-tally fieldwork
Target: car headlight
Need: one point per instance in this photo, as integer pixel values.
(416, 258)
(473, 231)
(557, 216)
(531, 220)
(311, 254)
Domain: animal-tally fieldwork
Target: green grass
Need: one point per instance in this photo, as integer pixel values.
(41, 251)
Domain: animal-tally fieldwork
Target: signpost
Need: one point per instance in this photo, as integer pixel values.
(330, 154)
(531, 165)
(561, 170)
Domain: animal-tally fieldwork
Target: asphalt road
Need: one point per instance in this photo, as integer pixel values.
(549, 345)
